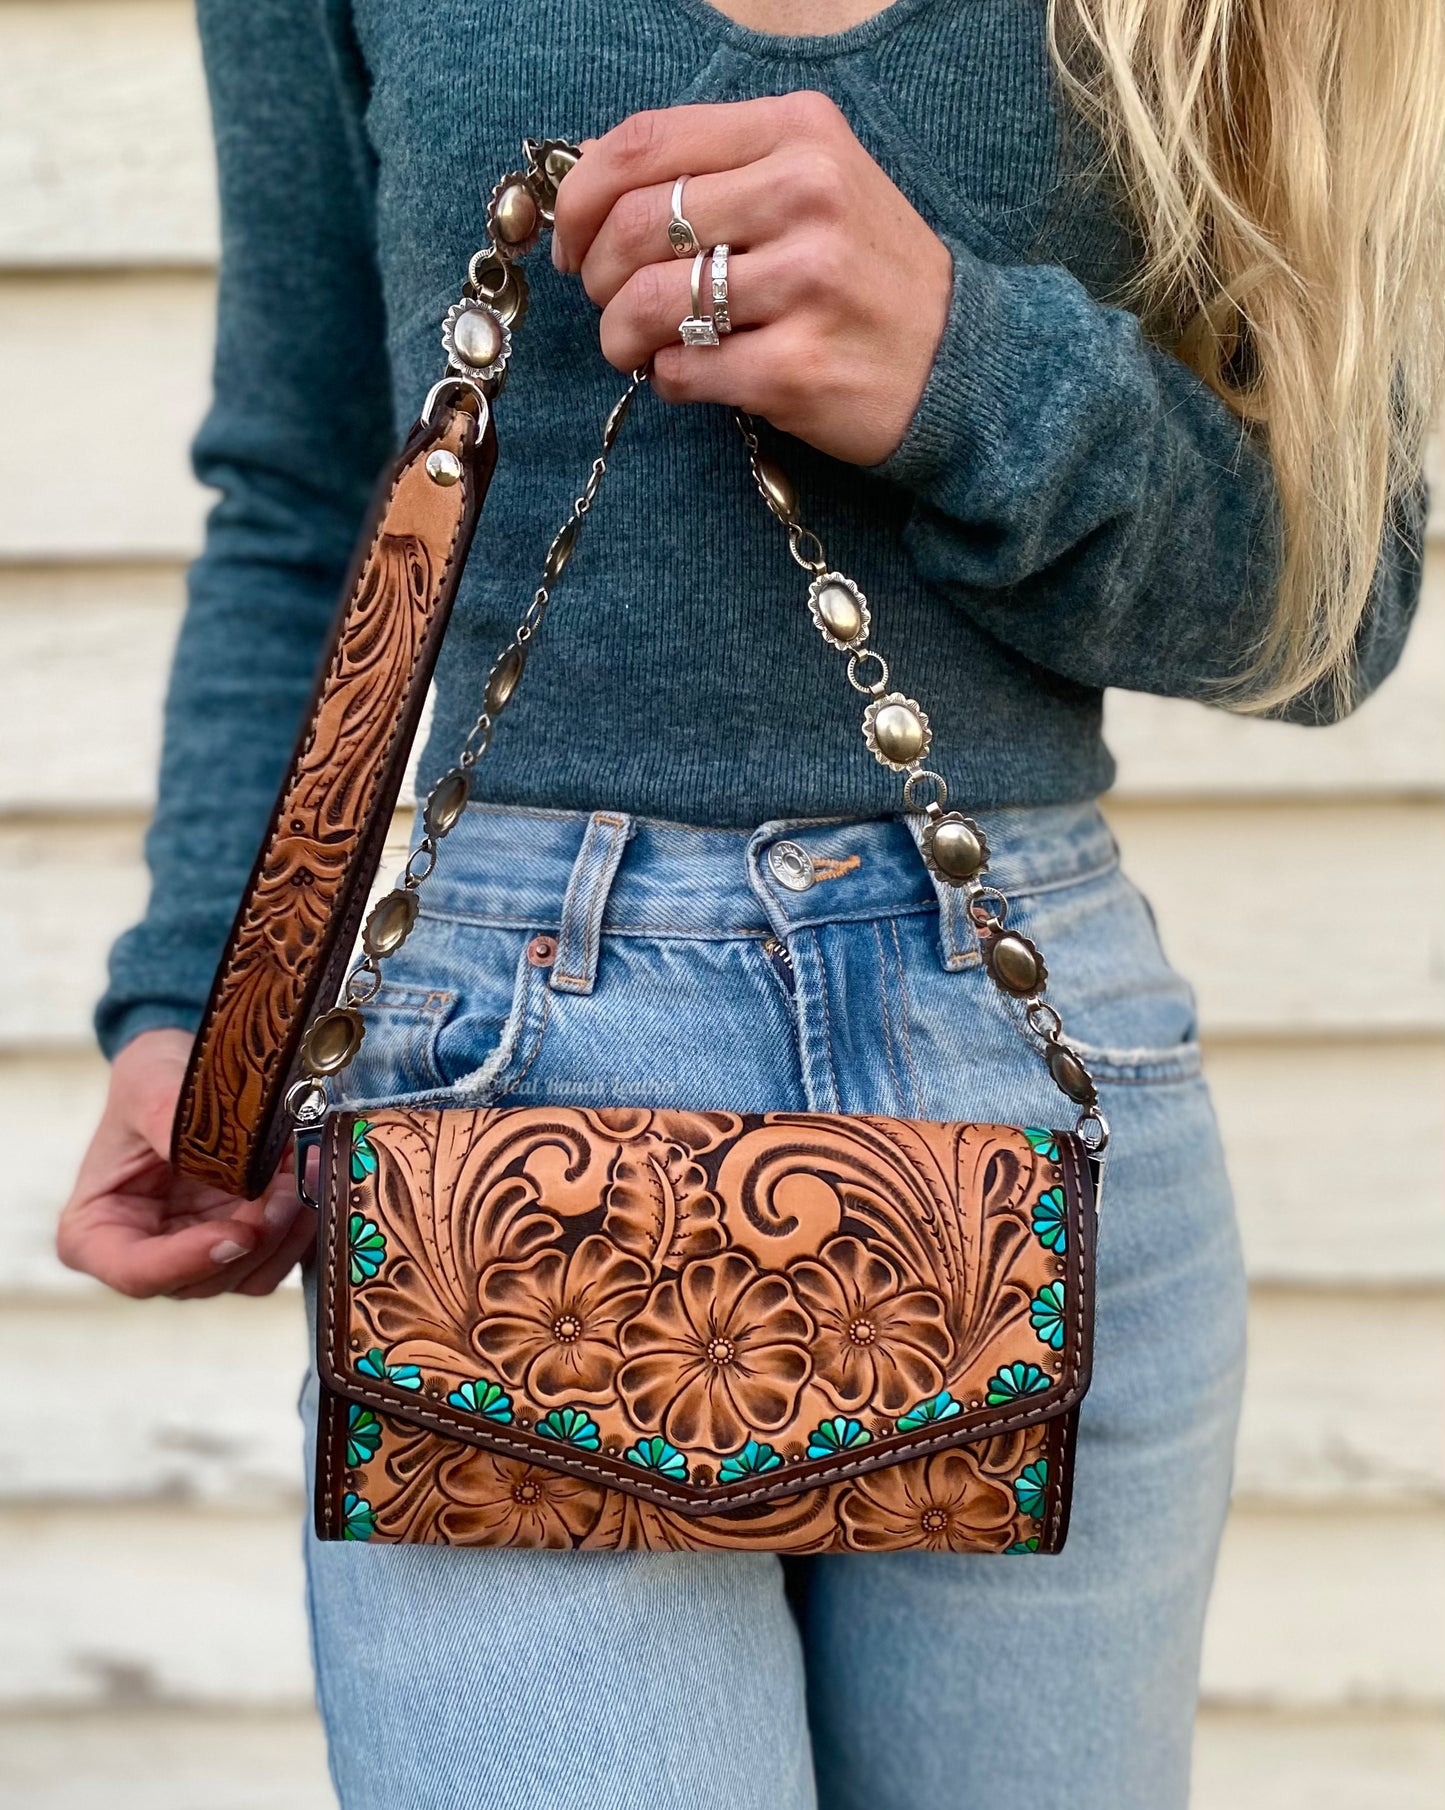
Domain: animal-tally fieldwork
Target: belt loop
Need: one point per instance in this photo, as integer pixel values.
(575, 969)
(958, 941)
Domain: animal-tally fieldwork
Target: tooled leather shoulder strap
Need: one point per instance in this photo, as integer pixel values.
(262, 1057)
(293, 934)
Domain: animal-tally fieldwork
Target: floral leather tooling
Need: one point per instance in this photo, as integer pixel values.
(663, 1329)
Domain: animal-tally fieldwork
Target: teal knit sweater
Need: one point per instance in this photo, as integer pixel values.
(1070, 509)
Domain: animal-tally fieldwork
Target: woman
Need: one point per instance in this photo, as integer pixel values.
(1104, 336)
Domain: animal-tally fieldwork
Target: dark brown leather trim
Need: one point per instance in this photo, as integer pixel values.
(301, 909)
(334, 1362)
(329, 1483)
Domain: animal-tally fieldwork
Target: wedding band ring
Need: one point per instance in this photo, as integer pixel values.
(680, 235)
(698, 329)
(720, 289)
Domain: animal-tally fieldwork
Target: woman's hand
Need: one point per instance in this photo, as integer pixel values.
(838, 289)
(141, 1230)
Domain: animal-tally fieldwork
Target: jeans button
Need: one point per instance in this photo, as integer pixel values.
(792, 866)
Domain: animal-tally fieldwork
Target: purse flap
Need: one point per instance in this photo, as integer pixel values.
(706, 1309)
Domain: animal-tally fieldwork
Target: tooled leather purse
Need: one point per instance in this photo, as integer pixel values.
(621, 1327)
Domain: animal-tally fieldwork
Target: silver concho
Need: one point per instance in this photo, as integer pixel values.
(548, 161)
(896, 730)
(955, 848)
(514, 215)
(500, 284)
(478, 341)
(839, 610)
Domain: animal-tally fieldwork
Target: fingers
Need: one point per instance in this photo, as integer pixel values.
(658, 147)
(141, 1262)
(644, 315)
(286, 1228)
(742, 208)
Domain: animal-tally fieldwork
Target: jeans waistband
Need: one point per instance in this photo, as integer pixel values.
(584, 874)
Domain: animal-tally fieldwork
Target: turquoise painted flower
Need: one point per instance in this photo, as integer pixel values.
(574, 1425)
(1014, 1381)
(482, 1397)
(358, 1517)
(1042, 1143)
(363, 1151)
(363, 1435)
(1050, 1226)
(752, 1461)
(1029, 1545)
(836, 1435)
(936, 1408)
(404, 1376)
(1031, 1486)
(368, 1249)
(1046, 1313)
(657, 1455)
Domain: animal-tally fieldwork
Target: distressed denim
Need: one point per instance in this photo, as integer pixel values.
(688, 973)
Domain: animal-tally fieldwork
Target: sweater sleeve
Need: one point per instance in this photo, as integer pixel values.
(1084, 497)
(298, 429)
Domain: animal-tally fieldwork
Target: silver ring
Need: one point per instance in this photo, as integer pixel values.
(680, 235)
(698, 329)
(720, 289)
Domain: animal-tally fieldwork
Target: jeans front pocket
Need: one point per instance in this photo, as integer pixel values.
(458, 1021)
(398, 1055)
(1128, 1012)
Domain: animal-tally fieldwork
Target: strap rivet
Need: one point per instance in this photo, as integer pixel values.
(443, 466)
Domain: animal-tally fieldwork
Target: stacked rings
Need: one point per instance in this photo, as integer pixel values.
(701, 329)
(680, 235)
(720, 289)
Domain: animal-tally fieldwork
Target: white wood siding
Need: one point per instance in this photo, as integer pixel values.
(152, 1651)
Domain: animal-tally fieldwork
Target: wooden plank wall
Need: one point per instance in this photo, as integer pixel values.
(153, 1652)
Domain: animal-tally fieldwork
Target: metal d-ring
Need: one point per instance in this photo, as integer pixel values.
(446, 384)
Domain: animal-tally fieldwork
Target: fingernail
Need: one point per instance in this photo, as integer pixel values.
(227, 1251)
(280, 1210)
(558, 261)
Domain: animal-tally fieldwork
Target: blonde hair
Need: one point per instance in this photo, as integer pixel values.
(1284, 161)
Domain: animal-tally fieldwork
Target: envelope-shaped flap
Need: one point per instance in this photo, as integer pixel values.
(708, 1309)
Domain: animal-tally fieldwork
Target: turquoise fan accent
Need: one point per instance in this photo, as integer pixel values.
(368, 1249)
(482, 1397)
(1031, 1486)
(404, 1376)
(657, 1455)
(1029, 1545)
(1016, 1380)
(363, 1151)
(1042, 1143)
(751, 1461)
(363, 1435)
(1046, 1313)
(575, 1426)
(358, 1517)
(837, 1435)
(1050, 1222)
(938, 1407)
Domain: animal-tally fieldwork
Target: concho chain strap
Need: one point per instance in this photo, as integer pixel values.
(477, 335)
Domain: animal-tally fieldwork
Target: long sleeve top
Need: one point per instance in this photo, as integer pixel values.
(1070, 508)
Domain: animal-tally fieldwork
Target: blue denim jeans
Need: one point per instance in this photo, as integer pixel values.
(688, 972)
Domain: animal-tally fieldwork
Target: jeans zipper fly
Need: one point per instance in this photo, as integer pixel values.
(777, 954)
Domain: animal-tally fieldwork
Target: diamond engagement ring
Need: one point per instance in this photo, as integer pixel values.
(698, 329)
(720, 289)
(680, 235)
